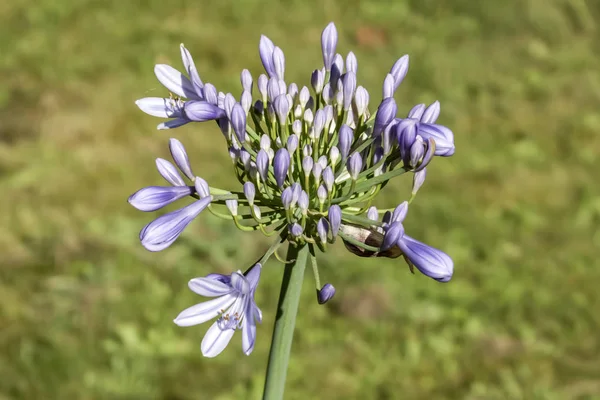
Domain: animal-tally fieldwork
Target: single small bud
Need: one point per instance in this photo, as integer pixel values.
(334, 155)
(286, 198)
(282, 108)
(308, 116)
(245, 157)
(210, 94)
(303, 96)
(249, 192)
(281, 164)
(335, 219)
(349, 86)
(238, 120)
(262, 164)
(432, 113)
(418, 180)
(328, 178)
(297, 127)
(265, 49)
(169, 172)
(181, 158)
(201, 187)
(296, 190)
(307, 150)
(329, 40)
(292, 144)
(385, 114)
(326, 293)
(322, 161)
(399, 70)
(296, 230)
(246, 101)
(257, 212)
(351, 63)
(317, 80)
(232, 206)
(416, 112)
(322, 229)
(319, 122)
(361, 101)
(246, 79)
(292, 90)
(262, 86)
(354, 165)
(307, 165)
(322, 194)
(278, 62)
(345, 140)
(372, 213)
(317, 170)
(303, 202)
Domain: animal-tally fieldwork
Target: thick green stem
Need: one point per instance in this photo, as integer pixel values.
(283, 332)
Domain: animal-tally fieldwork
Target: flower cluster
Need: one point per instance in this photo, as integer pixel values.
(309, 162)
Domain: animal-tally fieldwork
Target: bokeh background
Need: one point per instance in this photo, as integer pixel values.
(86, 312)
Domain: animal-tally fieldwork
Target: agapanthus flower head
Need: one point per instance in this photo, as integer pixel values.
(310, 164)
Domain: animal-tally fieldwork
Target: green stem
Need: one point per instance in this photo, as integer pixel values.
(283, 332)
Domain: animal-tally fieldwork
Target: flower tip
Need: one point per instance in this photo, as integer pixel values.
(326, 293)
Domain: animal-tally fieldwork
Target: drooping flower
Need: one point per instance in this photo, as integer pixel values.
(234, 305)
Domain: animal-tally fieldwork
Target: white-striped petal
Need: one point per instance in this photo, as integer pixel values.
(215, 340)
(159, 107)
(209, 287)
(169, 172)
(205, 311)
(175, 81)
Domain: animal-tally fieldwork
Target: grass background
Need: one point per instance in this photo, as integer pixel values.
(85, 311)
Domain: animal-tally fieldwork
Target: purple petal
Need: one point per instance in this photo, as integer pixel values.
(215, 340)
(175, 123)
(163, 231)
(169, 172)
(416, 112)
(190, 67)
(430, 261)
(418, 180)
(399, 70)
(432, 113)
(329, 40)
(248, 329)
(205, 311)
(345, 140)
(400, 212)
(349, 87)
(238, 120)
(281, 164)
(265, 50)
(444, 138)
(180, 157)
(253, 275)
(394, 232)
(209, 287)
(175, 81)
(388, 86)
(201, 111)
(262, 164)
(326, 293)
(385, 114)
(153, 198)
(335, 219)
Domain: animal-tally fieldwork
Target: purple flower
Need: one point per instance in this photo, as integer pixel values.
(278, 62)
(169, 172)
(388, 86)
(385, 114)
(201, 111)
(349, 86)
(265, 49)
(335, 219)
(322, 229)
(399, 70)
(394, 232)
(292, 143)
(418, 180)
(328, 178)
(180, 157)
(430, 261)
(317, 80)
(262, 164)
(281, 163)
(238, 121)
(153, 198)
(246, 80)
(361, 100)
(286, 197)
(329, 40)
(234, 304)
(351, 63)
(303, 202)
(163, 231)
(232, 206)
(282, 108)
(326, 293)
(296, 230)
(355, 164)
(444, 138)
(431, 114)
(345, 140)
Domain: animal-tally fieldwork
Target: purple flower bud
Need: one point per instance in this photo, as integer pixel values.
(232, 206)
(273, 89)
(180, 157)
(317, 80)
(201, 187)
(329, 40)
(349, 86)
(281, 163)
(385, 114)
(328, 178)
(245, 157)
(153, 198)
(169, 172)
(296, 230)
(278, 62)
(310, 103)
(406, 131)
(351, 63)
(319, 123)
(432, 113)
(345, 140)
(303, 202)
(238, 121)
(234, 154)
(399, 70)
(308, 116)
(326, 293)
(163, 231)
(282, 108)
(417, 151)
(265, 50)
(246, 79)
(246, 101)
(388, 86)
(444, 138)
(249, 192)
(430, 261)
(394, 232)
(296, 190)
(220, 100)
(400, 212)
(334, 155)
(262, 85)
(190, 68)
(286, 197)
(416, 112)
(265, 142)
(210, 94)
(292, 90)
(327, 93)
(262, 164)
(373, 214)
(307, 165)
(307, 150)
(418, 180)
(228, 104)
(335, 219)
(388, 137)
(361, 101)
(282, 86)
(317, 170)
(322, 194)
(297, 128)
(355, 164)
(303, 96)
(322, 161)
(429, 153)
(201, 111)
(339, 97)
(259, 108)
(323, 229)
(292, 144)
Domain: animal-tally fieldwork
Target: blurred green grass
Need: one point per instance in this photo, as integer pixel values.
(85, 311)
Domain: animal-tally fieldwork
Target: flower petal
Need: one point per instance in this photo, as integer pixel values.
(201, 111)
(265, 50)
(159, 107)
(209, 287)
(205, 311)
(215, 340)
(175, 123)
(248, 330)
(240, 283)
(163, 231)
(190, 67)
(180, 157)
(256, 312)
(169, 172)
(175, 81)
(253, 276)
(430, 261)
(153, 198)
(444, 138)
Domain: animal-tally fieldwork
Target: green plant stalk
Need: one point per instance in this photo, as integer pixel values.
(283, 331)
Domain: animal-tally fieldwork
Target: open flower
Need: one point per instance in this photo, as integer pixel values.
(234, 305)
